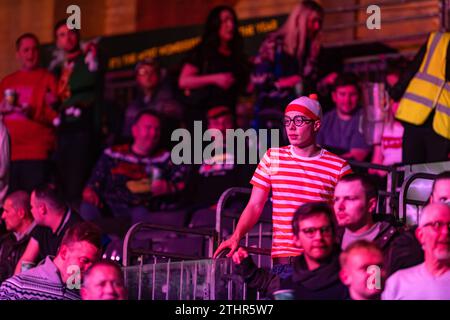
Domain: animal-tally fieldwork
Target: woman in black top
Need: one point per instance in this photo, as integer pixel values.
(217, 69)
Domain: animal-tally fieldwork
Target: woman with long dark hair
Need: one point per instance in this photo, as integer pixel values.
(217, 69)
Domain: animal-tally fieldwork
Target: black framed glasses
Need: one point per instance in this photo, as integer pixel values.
(437, 225)
(298, 121)
(310, 232)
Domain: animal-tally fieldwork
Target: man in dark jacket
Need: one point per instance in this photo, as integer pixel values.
(316, 271)
(355, 199)
(19, 224)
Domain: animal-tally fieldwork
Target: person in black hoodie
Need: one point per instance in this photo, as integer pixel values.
(355, 199)
(316, 271)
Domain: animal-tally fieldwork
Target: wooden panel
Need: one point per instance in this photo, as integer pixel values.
(92, 15)
(121, 16)
(156, 14)
(18, 17)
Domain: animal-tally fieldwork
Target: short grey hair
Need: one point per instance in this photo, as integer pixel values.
(426, 212)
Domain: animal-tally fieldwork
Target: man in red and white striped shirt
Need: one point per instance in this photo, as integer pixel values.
(296, 174)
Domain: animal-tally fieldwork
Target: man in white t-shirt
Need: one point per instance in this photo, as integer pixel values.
(299, 173)
(431, 279)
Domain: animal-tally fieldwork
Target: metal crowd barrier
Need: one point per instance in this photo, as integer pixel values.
(408, 196)
(258, 232)
(129, 251)
(184, 277)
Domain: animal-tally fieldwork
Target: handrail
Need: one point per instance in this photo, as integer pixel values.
(169, 255)
(405, 188)
(252, 250)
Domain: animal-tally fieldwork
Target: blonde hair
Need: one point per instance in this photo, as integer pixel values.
(295, 31)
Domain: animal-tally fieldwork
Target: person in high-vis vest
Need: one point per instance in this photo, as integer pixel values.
(424, 108)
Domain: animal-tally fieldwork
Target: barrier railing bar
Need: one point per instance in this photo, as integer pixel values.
(195, 279)
(181, 280)
(168, 280)
(154, 277)
(404, 189)
(174, 256)
(141, 265)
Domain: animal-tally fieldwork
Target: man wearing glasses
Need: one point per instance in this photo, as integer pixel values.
(315, 273)
(431, 279)
(296, 174)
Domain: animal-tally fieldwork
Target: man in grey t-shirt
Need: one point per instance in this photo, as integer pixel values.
(339, 132)
(431, 279)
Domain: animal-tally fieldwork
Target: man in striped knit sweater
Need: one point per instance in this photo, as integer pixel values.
(296, 174)
(58, 278)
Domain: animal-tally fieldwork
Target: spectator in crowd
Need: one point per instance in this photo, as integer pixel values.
(362, 270)
(103, 281)
(299, 173)
(215, 175)
(355, 199)
(58, 278)
(217, 70)
(153, 93)
(27, 96)
(424, 110)
(19, 224)
(441, 188)
(286, 65)
(429, 280)
(79, 124)
(389, 151)
(4, 161)
(53, 218)
(315, 272)
(340, 127)
(133, 179)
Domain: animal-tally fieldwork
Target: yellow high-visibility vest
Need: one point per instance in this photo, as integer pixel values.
(428, 89)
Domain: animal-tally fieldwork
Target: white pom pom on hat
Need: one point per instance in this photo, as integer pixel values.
(309, 106)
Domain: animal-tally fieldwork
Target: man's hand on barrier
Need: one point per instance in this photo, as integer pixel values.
(232, 243)
(240, 255)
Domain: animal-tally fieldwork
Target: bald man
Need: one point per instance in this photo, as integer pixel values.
(431, 279)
